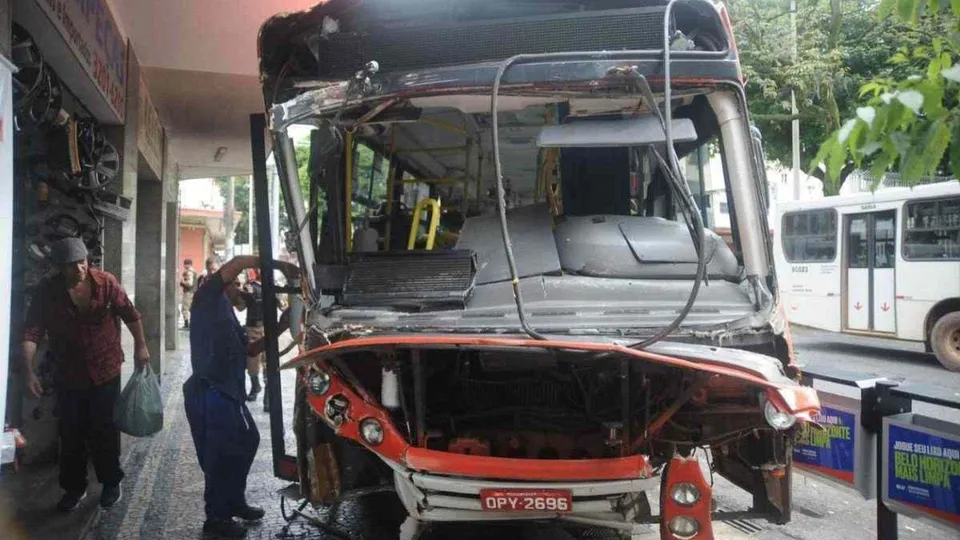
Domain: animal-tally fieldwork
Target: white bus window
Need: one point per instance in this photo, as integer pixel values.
(810, 236)
(932, 230)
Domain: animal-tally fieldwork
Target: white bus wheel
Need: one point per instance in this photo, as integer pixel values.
(945, 340)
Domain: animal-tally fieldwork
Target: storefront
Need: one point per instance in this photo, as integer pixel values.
(86, 139)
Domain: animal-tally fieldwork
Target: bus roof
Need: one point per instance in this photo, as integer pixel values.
(951, 187)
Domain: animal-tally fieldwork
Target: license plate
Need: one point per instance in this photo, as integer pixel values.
(526, 500)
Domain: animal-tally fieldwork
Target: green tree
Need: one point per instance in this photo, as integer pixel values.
(302, 154)
(241, 193)
(840, 46)
(909, 121)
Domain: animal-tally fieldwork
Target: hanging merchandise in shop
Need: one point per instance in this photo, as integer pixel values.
(64, 159)
(63, 169)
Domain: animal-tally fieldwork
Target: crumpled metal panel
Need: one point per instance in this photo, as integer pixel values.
(531, 231)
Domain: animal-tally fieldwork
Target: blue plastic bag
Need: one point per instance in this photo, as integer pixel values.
(139, 411)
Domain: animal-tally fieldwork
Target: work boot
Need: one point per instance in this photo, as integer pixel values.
(249, 513)
(224, 528)
(70, 501)
(255, 387)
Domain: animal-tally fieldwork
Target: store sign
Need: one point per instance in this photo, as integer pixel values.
(921, 474)
(150, 136)
(837, 448)
(91, 32)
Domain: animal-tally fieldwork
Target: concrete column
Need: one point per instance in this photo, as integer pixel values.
(6, 26)
(120, 239)
(171, 195)
(129, 171)
(151, 264)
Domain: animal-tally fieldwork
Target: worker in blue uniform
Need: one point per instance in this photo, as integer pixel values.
(224, 432)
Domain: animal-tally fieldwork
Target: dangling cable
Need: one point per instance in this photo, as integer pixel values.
(501, 202)
(688, 207)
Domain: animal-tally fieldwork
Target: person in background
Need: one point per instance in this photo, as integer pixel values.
(77, 309)
(211, 266)
(252, 295)
(224, 432)
(188, 284)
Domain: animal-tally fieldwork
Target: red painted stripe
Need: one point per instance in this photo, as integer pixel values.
(435, 462)
(843, 476)
(946, 516)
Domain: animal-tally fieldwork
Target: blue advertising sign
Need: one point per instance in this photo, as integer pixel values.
(829, 448)
(923, 472)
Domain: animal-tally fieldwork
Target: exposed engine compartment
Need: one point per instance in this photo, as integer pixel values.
(553, 404)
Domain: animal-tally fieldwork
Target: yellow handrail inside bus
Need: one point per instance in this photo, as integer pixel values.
(434, 222)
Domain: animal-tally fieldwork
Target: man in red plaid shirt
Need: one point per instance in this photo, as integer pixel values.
(78, 311)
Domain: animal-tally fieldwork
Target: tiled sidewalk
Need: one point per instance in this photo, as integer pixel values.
(163, 488)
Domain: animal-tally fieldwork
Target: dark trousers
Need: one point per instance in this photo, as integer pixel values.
(87, 431)
(226, 439)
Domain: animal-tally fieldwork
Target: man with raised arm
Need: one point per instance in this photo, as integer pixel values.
(224, 432)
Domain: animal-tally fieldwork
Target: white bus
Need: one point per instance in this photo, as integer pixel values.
(883, 264)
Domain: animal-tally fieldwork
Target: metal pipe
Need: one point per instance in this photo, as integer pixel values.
(418, 397)
(388, 241)
(259, 181)
(466, 175)
(626, 414)
(436, 150)
(348, 194)
(440, 181)
(737, 153)
(298, 210)
(432, 228)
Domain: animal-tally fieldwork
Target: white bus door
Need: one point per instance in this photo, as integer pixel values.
(870, 240)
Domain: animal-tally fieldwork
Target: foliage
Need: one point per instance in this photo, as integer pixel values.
(241, 203)
(302, 153)
(840, 46)
(362, 185)
(908, 120)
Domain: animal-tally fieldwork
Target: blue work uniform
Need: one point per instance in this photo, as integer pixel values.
(223, 430)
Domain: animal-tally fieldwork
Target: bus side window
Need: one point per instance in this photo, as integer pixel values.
(932, 229)
(810, 236)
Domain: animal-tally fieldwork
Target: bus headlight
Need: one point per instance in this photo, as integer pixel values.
(775, 417)
(372, 431)
(318, 382)
(684, 527)
(685, 494)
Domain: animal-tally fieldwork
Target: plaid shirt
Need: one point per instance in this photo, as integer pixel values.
(85, 344)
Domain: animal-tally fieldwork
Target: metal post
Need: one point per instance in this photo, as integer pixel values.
(795, 124)
(283, 466)
(704, 204)
(250, 213)
(885, 404)
(228, 221)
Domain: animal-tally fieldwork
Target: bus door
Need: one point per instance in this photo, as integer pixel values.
(871, 254)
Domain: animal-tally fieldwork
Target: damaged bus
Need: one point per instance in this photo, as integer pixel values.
(510, 307)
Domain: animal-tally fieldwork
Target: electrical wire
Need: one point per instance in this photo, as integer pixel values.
(501, 203)
(688, 205)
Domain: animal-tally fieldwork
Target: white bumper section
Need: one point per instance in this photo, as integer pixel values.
(614, 504)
